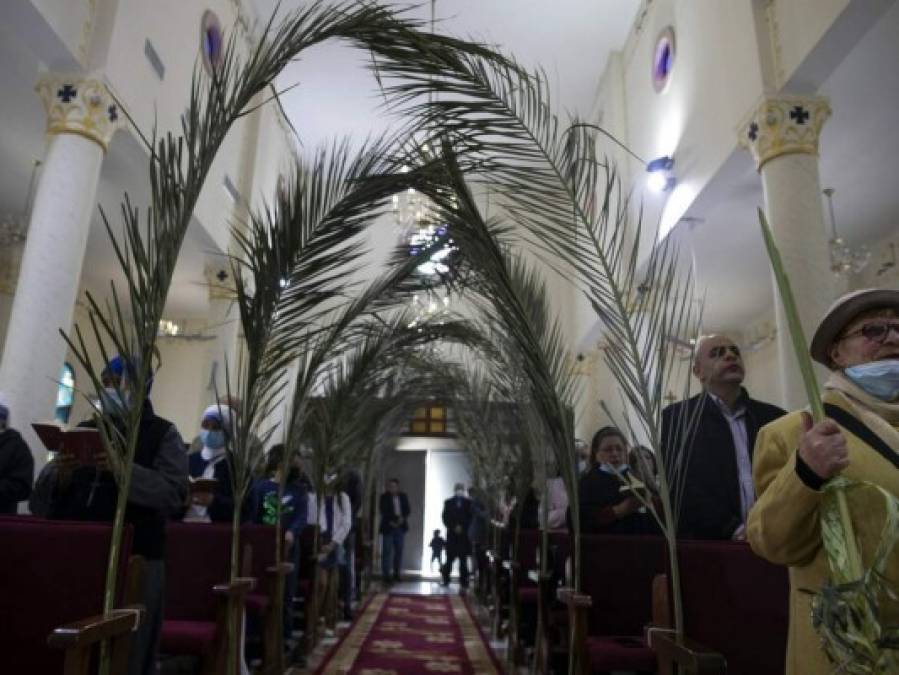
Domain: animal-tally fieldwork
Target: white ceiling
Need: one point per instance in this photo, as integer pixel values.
(859, 149)
(569, 39)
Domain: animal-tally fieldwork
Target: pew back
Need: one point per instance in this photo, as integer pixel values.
(198, 557)
(617, 574)
(51, 573)
(735, 603)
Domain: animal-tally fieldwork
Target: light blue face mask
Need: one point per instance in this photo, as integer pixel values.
(608, 468)
(878, 378)
(113, 403)
(213, 439)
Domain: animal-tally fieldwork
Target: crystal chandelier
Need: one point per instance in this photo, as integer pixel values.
(14, 226)
(843, 258)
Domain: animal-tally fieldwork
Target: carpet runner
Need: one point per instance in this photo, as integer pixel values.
(412, 634)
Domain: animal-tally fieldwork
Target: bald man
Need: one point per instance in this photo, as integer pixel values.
(708, 441)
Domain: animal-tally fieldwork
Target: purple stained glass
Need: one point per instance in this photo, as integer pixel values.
(211, 40)
(663, 59)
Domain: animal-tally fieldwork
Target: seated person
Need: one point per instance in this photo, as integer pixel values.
(216, 506)
(606, 505)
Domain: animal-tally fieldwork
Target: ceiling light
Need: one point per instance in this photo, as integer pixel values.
(660, 178)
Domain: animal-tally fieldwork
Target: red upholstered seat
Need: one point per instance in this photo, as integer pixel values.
(261, 539)
(189, 637)
(620, 653)
(617, 574)
(51, 573)
(198, 557)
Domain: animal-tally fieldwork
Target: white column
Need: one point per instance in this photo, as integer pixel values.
(782, 135)
(81, 120)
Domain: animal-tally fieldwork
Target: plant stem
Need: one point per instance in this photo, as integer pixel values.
(797, 335)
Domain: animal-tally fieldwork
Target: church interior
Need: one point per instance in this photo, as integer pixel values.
(457, 336)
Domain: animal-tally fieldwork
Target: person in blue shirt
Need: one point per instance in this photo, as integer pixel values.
(263, 510)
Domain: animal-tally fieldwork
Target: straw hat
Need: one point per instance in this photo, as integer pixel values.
(844, 310)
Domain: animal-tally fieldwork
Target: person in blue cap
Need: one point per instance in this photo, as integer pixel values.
(158, 491)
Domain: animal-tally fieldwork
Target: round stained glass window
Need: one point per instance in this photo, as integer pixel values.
(663, 59)
(212, 40)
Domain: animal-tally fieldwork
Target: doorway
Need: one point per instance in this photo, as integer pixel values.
(408, 467)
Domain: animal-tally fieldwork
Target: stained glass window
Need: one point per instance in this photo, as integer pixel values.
(65, 394)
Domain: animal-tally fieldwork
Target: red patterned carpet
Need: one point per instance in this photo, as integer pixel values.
(409, 635)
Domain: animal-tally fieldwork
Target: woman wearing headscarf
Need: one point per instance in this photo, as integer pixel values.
(216, 505)
(858, 340)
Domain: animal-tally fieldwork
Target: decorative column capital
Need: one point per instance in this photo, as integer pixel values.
(79, 104)
(784, 125)
(218, 276)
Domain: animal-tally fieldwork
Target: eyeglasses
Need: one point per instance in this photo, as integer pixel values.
(875, 332)
(719, 351)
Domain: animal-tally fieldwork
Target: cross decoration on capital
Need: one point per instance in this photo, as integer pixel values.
(784, 125)
(79, 104)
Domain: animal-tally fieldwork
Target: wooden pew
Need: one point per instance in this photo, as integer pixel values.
(608, 618)
(52, 576)
(306, 586)
(524, 591)
(266, 600)
(735, 612)
(200, 599)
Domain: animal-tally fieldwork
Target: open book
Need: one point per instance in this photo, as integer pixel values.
(200, 485)
(84, 443)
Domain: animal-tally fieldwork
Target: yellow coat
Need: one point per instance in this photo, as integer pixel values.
(783, 525)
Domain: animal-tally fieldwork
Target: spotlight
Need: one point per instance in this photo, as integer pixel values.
(660, 178)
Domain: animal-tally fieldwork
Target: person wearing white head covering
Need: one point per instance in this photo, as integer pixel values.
(216, 427)
(16, 463)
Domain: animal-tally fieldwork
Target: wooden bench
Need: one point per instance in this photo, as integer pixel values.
(200, 599)
(266, 600)
(608, 617)
(736, 612)
(52, 579)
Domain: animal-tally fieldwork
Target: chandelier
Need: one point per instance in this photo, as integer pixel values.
(14, 226)
(420, 229)
(844, 259)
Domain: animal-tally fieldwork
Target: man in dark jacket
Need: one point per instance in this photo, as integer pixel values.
(708, 442)
(457, 516)
(394, 510)
(158, 491)
(16, 464)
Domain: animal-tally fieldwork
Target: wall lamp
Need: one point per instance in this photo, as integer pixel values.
(660, 178)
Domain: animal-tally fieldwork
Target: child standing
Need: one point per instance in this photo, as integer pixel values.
(437, 545)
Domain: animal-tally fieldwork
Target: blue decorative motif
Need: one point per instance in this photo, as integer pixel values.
(799, 114)
(753, 131)
(112, 113)
(67, 93)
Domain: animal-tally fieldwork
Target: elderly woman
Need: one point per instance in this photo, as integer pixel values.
(858, 340)
(606, 505)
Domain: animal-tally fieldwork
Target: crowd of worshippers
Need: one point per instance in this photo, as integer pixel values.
(724, 452)
(160, 490)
